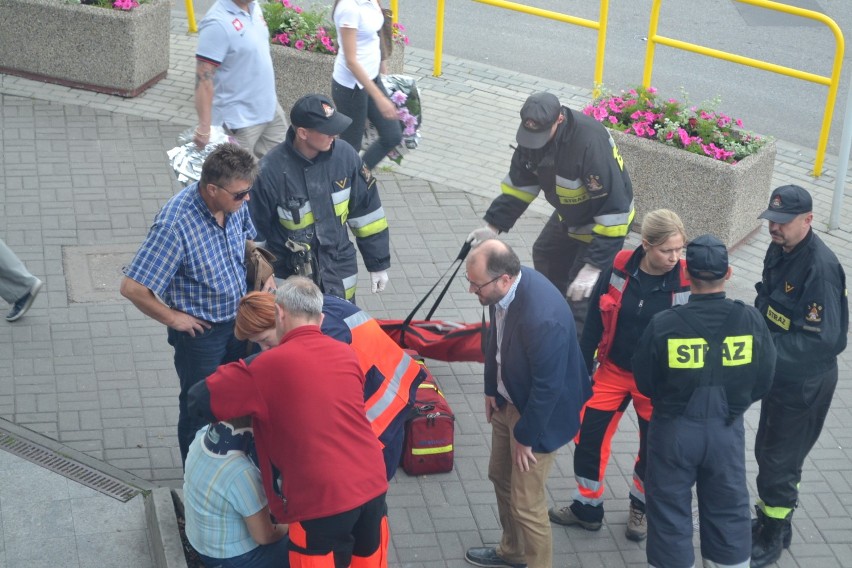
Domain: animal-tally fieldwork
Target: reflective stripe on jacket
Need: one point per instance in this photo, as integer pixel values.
(312, 202)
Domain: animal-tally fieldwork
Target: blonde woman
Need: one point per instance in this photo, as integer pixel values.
(640, 284)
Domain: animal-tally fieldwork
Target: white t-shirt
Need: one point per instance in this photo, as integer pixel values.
(366, 17)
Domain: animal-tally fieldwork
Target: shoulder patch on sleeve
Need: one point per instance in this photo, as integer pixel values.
(813, 313)
(367, 175)
(593, 183)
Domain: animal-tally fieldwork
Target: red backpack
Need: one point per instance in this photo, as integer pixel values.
(428, 446)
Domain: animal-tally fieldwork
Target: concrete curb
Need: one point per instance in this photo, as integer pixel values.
(166, 546)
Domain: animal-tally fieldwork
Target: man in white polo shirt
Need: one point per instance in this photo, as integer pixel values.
(234, 80)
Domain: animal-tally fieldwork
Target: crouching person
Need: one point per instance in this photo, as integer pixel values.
(227, 515)
(702, 364)
(320, 462)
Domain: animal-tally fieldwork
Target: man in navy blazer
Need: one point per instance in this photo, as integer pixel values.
(535, 385)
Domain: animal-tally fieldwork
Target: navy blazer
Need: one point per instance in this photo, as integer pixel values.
(543, 369)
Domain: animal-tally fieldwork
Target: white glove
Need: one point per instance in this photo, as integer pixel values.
(476, 236)
(380, 280)
(582, 285)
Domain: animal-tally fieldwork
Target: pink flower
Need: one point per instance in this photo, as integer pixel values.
(613, 119)
(286, 3)
(669, 135)
(652, 90)
(297, 9)
(684, 137)
(283, 39)
(599, 113)
(399, 98)
(739, 123)
(299, 44)
(125, 4)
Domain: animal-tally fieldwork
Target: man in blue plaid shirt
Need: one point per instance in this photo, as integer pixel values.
(190, 272)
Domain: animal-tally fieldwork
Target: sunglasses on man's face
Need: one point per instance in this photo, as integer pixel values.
(238, 196)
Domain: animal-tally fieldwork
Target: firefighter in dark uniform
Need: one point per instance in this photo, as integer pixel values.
(802, 296)
(572, 159)
(310, 188)
(702, 365)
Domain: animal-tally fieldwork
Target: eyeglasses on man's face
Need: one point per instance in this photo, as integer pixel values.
(238, 196)
(477, 288)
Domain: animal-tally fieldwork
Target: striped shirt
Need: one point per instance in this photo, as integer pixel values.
(219, 492)
(188, 260)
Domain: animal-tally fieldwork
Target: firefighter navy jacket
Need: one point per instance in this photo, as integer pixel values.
(312, 202)
(803, 298)
(669, 359)
(542, 367)
(583, 176)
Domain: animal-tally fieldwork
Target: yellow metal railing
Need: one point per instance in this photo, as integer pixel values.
(832, 82)
(599, 25)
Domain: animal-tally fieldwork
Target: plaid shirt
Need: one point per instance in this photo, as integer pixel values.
(192, 263)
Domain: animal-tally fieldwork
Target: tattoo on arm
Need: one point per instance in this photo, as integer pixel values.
(203, 72)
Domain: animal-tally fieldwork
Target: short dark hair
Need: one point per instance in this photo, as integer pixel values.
(501, 260)
(228, 162)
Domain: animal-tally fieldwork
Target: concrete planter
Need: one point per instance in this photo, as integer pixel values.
(710, 196)
(299, 73)
(87, 47)
(396, 61)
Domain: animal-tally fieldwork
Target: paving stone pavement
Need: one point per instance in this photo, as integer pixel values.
(85, 173)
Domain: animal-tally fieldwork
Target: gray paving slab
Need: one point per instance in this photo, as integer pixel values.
(86, 172)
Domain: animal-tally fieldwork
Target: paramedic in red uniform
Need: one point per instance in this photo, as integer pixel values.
(641, 283)
(321, 464)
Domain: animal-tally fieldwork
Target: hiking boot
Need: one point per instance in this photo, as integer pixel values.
(488, 557)
(637, 524)
(23, 304)
(770, 541)
(565, 516)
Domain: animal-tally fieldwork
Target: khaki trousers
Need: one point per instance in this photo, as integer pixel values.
(261, 138)
(521, 500)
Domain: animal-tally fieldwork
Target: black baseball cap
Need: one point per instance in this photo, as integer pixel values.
(538, 114)
(317, 112)
(707, 258)
(786, 202)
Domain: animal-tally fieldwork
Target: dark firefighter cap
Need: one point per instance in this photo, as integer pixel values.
(317, 112)
(787, 202)
(538, 114)
(707, 258)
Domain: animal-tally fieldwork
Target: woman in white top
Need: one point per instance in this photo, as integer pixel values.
(356, 86)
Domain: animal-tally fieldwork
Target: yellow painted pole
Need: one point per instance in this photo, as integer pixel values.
(190, 16)
(652, 38)
(601, 48)
(439, 39)
(394, 6)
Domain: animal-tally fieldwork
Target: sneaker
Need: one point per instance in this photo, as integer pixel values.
(488, 557)
(565, 516)
(637, 524)
(24, 303)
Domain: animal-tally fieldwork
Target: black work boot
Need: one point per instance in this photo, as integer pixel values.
(766, 549)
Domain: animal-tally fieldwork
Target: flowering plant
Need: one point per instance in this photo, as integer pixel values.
(399, 37)
(701, 130)
(305, 30)
(405, 95)
(125, 5)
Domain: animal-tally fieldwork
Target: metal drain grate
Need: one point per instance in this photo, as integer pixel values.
(67, 467)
